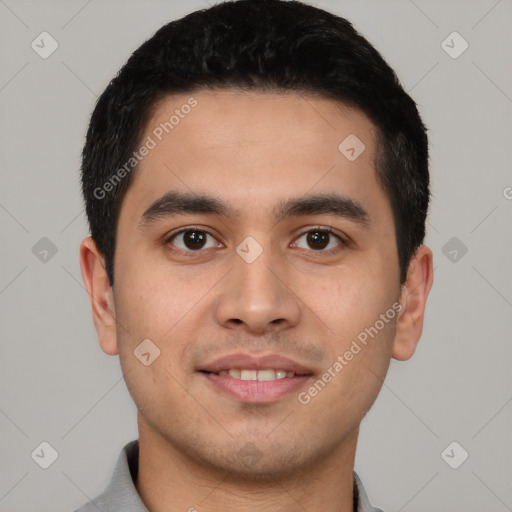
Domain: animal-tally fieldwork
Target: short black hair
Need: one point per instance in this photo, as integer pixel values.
(269, 45)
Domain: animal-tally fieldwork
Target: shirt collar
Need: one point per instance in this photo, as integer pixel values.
(121, 493)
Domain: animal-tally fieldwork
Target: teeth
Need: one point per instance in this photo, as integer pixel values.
(267, 374)
(249, 375)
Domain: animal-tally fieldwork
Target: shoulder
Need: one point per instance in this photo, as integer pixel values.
(120, 494)
(361, 498)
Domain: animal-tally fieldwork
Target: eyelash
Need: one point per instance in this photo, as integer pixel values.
(190, 253)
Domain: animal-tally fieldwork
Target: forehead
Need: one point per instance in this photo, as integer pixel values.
(254, 148)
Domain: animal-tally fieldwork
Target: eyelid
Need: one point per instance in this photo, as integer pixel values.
(343, 239)
(169, 237)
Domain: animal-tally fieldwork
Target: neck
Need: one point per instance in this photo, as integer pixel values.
(169, 480)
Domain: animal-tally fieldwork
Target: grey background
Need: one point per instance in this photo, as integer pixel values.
(56, 384)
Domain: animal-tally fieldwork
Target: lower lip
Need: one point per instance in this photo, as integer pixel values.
(255, 391)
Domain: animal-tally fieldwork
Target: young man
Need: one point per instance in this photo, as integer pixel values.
(256, 183)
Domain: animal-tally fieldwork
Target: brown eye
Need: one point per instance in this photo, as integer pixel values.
(192, 240)
(318, 240)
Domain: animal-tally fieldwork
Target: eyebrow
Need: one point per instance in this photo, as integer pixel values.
(176, 203)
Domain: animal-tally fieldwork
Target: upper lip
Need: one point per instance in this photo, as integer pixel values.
(251, 362)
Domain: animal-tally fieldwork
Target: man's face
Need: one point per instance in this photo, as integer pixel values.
(194, 284)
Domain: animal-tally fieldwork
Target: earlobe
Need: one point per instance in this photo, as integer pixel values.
(413, 299)
(97, 284)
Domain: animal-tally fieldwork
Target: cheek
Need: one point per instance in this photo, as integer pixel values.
(352, 377)
(362, 322)
(165, 306)
(351, 301)
(155, 389)
(153, 297)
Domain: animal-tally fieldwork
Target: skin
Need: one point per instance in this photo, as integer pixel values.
(254, 150)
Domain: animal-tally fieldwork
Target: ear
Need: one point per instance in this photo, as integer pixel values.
(413, 300)
(100, 294)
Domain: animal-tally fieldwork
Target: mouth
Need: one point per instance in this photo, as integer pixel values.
(256, 380)
(267, 374)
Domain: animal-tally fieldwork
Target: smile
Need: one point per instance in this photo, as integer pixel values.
(261, 375)
(255, 386)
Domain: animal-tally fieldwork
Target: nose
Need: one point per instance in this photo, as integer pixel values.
(256, 298)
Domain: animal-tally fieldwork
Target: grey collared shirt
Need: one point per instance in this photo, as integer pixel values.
(122, 496)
